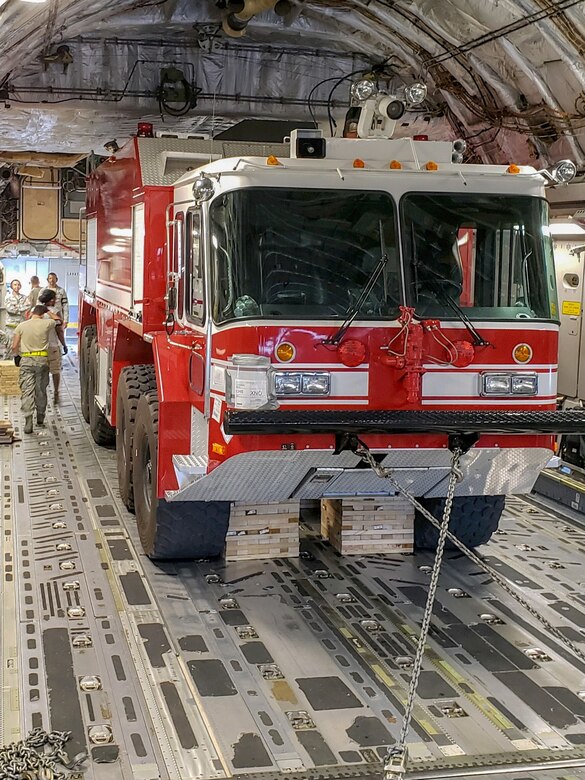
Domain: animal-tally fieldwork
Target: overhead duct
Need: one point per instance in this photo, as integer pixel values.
(45, 159)
(235, 22)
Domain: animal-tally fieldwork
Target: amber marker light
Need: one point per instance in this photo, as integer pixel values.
(432, 166)
(357, 163)
(284, 352)
(395, 165)
(522, 353)
(272, 160)
(514, 169)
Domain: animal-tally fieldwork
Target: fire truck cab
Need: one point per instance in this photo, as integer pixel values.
(249, 313)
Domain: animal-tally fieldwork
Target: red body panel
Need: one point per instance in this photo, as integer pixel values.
(113, 189)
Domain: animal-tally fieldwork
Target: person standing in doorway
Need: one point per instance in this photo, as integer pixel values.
(48, 298)
(61, 304)
(31, 340)
(35, 289)
(16, 308)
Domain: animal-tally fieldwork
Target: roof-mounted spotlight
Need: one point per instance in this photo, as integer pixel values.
(363, 90)
(561, 173)
(416, 93)
(564, 171)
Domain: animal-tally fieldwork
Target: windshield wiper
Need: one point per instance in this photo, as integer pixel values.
(478, 339)
(355, 308)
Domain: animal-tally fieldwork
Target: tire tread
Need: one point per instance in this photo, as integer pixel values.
(474, 520)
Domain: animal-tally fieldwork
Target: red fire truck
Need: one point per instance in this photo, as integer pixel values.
(253, 316)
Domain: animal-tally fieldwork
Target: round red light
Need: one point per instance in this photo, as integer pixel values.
(465, 353)
(352, 352)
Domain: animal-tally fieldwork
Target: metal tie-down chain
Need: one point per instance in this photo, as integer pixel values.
(397, 757)
(40, 756)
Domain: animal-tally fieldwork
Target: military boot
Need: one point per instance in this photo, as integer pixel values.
(28, 424)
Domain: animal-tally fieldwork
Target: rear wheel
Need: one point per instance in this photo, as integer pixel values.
(87, 337)
(474, 520)
(101, 430)
(134, 382)
(170, 529)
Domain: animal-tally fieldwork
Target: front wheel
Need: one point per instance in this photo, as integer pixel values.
(170, 530)
(474, 519)
(134, 382)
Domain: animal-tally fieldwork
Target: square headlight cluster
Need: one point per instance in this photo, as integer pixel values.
(300, 383)
(508, 384)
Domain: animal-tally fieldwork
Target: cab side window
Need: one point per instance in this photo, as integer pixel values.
(194, 303)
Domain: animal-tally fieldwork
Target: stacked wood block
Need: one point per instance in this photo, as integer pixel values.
(6, 432)
(259, 531)
(368, 526)
(8, 378)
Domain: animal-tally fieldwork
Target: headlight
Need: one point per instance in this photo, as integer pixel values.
(525, 384)
(508, 384)
(293, 383)
(496, 384)
(316, 384)
(287, 383)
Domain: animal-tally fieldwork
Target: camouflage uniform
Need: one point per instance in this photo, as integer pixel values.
(33, 380)
(61, 301)
(16, 308)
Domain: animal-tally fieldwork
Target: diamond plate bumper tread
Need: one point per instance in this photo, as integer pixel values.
(393, 421)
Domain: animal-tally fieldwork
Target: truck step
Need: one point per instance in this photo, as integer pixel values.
(189, 468)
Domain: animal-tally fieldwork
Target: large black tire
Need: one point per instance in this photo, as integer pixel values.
(474, 519)
(178, 530)
(87, 338)
(103, 433)
(134, 382)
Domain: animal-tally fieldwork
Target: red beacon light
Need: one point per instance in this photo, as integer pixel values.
(352, 352)
(420, 138)
(145, 130)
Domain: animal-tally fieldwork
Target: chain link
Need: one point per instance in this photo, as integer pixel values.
(395, 763)
(40, 756)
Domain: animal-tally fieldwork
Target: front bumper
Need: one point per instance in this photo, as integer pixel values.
(393, 421)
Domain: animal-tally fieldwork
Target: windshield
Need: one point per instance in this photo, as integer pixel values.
(303, 253)
(491, 255)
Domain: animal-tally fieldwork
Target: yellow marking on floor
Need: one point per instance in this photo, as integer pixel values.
(101, 545)
(382, 675)
(346, 632)
(450, 672)
(428, 727)
(491, 712)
